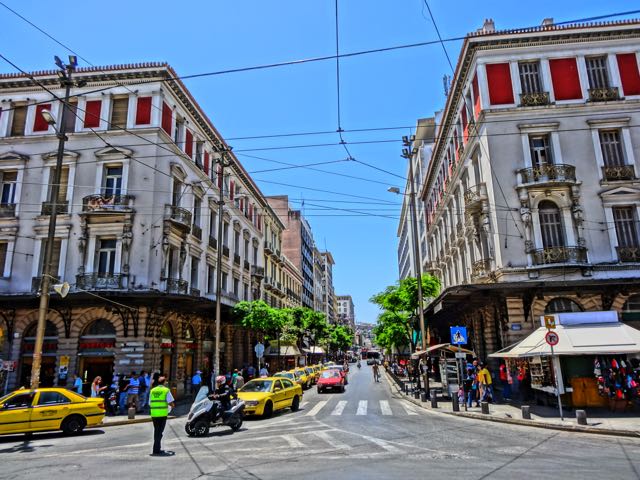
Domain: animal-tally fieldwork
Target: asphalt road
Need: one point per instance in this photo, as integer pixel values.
(365, 433)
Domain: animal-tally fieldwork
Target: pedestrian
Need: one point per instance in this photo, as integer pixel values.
(96, 387)
(240, 381)
(486, 383)
(251, 372)
(123, 385)
(234, 380)
(133, 391)
(506, 381)
(471, 387)
(144, 394)
(264, 372)
(77, 384)
(376, 372)
(196, 382)
(160, 399)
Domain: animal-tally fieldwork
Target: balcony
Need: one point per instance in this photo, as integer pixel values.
(36, 281)
(225, 251)
(628, 254)
(549, 173)
(213, 242)
(268, 247)
(176, 285)
(107, 203)
(480, 268)
(552, 255)
(61, 208)
(236, 259)
(194, 292)
(603, 94)
(618, 172)
(277, 252)
(178, 216)
(257, 271)
(474, 196)
(535, 99)
(7, 210)
(196, 231)
(100, 281)
(247, 265)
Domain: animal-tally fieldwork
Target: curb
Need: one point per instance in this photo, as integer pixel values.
(119, 423)
(515, 421)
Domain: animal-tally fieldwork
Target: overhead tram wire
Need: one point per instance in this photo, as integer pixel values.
(343, 55)
(339, 108)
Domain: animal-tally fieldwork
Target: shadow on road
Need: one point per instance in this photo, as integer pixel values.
(22, 442)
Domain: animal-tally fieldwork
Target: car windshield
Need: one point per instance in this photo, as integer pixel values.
(330, 374)
(309, 370)
(285, 375)
(257, 386)
(202, 394)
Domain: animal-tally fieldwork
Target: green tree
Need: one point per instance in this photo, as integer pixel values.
(258, 315)
(340, 338)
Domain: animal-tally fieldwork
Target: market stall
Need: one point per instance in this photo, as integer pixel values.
(595, 362)
(451, 361)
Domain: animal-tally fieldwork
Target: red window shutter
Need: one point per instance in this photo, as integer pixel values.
(629, 75)
(219, 174)
(565, 79)
(92, 114)
(206, 163)
(251, 211)
(167, 118)
(465, 125)
(476, 96)
(232, 189)
(499, 80)
(143, 111)
(188, 143)
(241, 205)
(40, 124)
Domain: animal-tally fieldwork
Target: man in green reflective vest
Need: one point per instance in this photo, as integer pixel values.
(160, 399)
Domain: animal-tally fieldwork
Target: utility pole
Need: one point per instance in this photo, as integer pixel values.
(408, 154)
(65, 74)
(220, 178)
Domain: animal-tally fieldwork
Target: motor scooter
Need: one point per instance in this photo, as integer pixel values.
(201, 415)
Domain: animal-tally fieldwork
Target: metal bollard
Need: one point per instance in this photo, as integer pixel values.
(581, 415)
(423, 396)
(406, 389)
(416, 394)
(434, 400)
(455, 403)
(526, 412)
(484, 407)
(131, 413)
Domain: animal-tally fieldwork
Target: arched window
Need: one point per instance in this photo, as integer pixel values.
(100, 327)
(562, 305)
(166, 331)
(189, 334)
(50, 330)
(550, 224)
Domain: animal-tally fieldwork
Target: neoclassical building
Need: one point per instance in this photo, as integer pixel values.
(531, 197)
(137, 234)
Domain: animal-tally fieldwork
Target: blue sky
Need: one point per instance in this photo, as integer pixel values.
(381, 90)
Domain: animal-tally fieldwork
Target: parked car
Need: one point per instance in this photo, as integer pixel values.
(263, 396)
(46, 409)
(330, 380)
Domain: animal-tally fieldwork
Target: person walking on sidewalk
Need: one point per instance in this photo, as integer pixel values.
(506, 380)
(486, 383)
(133, 391)
(160, 399)
(376, 372)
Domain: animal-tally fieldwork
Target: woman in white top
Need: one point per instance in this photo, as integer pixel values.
(96, 389)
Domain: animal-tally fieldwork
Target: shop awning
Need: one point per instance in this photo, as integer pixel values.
(285, 350)
(314, 351)
(447, 347)
(580, 339)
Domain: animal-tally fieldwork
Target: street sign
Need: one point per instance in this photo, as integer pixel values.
(549, 322)
(8, 365)
(552, 338)
(458, 335)
(259, 349)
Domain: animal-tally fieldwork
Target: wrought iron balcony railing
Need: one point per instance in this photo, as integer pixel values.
(194, 292)
(196, 231)
(535, 99)
(176, 285)
(480, 268)
(474, 195)
(100, 281)
(178, 215)
(548, 173)
(61, 208)
(107, 203)
(551, 255)
(257, 271)
(628, 254)
(618, 172)
(7, 210)
(268, 247)
(603, 94)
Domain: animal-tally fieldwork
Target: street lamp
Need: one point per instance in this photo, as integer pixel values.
(64, 74)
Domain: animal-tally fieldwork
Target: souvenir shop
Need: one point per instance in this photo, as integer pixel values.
(596, 362)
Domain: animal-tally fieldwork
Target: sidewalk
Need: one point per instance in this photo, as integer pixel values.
(599, 420)
(182, 408)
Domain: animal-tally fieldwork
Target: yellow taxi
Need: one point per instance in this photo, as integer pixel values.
(43, 409)
(303, 375)
(263, 396)
(312, 373)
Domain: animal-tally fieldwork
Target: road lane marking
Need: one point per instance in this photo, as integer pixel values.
(338, 445)
(362, 407)
(317, 408)
(384, 406)
(304, 404)
(293, 441)
(409, 409)
(339, 407)
(383, 444)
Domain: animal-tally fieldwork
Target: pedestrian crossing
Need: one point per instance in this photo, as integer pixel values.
(359, 408)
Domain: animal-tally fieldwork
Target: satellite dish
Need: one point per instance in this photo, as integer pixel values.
(62, 288)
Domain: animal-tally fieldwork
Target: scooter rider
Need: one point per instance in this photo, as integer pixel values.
(221, 396)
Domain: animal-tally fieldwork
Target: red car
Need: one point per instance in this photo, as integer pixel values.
(331, 380)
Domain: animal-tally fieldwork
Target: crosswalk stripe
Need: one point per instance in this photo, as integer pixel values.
(293, 441)
(381, 443)
(318, 406)
(409, 409)
(362, 407)
(332, 441)
(386, 409)
(339, 407)
(304, 404)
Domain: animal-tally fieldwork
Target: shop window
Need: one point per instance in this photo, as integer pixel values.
(101, 327)
(562, 305)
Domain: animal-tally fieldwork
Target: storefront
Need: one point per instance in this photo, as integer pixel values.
(167, 351)
(286, 358)
(595, 363)
(49, 352)
(96, 353)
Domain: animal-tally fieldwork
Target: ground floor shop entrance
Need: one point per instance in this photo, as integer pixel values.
(92, 367)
